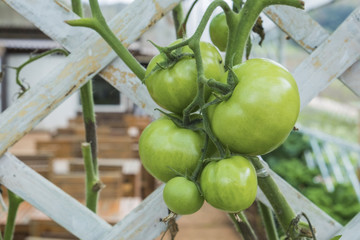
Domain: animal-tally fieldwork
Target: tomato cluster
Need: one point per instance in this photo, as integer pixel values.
(256, 118)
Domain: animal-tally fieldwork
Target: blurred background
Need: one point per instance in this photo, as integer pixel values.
(321, 159)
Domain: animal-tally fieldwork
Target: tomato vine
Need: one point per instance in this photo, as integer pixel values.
(240, 20)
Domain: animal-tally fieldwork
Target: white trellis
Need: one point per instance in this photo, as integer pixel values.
(331, 57)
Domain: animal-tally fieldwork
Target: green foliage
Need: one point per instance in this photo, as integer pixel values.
(288, 161)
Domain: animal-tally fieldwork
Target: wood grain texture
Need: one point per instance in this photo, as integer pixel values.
(82, 64)
(330, 59)
(42, 100)
(351, 230)
(143, 222)
(324, 224)
(310, 35)
(51, 200)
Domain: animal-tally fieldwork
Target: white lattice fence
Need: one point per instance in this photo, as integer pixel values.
(331, 57)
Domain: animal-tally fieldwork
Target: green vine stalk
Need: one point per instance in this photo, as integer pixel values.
(14, 203)
(240, 24)
(89, 149)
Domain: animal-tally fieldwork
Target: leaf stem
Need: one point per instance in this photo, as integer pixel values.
(281, 207)
(243, 226)
(92, 182)
(30, 60)
(98, 23)
(178, 17)
(90, 159)
(268, 220)
(241, 25)
(14, 203)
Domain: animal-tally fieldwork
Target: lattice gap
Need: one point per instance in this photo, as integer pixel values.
(330, 57)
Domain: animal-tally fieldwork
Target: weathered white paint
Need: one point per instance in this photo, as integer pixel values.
(143, 222)
(148, 208)
(330, 59)
(324, 224)
(72, 38)
(51, 200)
(76, 69)
(351, 230)
(310, 35)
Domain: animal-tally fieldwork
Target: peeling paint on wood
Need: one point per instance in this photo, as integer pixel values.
(75, 70)
(51, 200)
(329, 60)
(72, 38)
(309, 34)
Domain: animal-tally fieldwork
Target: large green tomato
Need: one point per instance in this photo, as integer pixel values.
(182, 196)
(165, 147)
(219, 31)
(262, 110)
(229, 184)
(174, 88)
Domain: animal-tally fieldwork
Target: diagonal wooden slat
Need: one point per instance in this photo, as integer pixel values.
(291, 192)
(309, 34)
(51, 200)
(72, 38)
(329, 60)
(158, 198)
(145, 217)
(351, 230)
(46, 99)
(75, 70)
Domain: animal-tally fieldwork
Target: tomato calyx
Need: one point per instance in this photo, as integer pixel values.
(298, 229)
(194, 123)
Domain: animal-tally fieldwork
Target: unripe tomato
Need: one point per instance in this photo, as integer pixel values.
(229, 184)
(165, 147)
(262, 110)
(182, 196)
(219, 31)
(174, 88)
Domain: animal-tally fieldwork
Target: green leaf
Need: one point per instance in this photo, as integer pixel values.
(336, 237)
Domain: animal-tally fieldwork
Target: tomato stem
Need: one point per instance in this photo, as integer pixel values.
(30, 60)
(98, 23)
(268, 221)
(90, 159)
(240, 26)
(14, 203)
(281, 207)
(92, 182)
(178, 17)
(243, 226)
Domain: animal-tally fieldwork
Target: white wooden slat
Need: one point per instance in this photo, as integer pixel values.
(117, 73)
(51, 200)
(75, 70)
(319, 158)
(143, 222)
(121, 77)
(56, 28)
(309, 34)
(325, 226)
(351, 230)
(330, 59)
(158, 198)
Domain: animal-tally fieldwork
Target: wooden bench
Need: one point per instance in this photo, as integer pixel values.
(41, 163)
(108, 147)
(74, 184)
(130, 168)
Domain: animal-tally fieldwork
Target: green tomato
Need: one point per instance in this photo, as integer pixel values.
(262, 110)
(229, 184)
(182, 196)
(165, 147)
(219, 31)
(174, 88)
